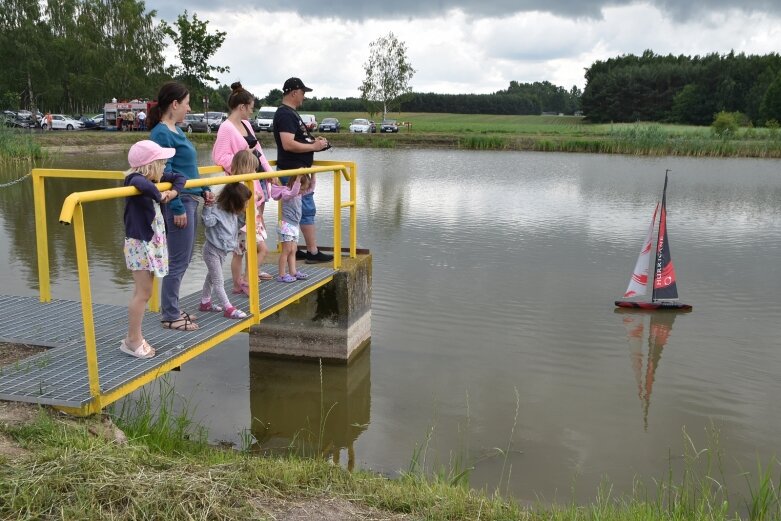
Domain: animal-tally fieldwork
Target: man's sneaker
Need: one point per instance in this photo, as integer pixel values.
(318, 257)
(301, 255)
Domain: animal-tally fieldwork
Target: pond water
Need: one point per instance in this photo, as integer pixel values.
(493, 324)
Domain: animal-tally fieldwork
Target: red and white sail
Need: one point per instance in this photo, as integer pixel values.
(665, 286)
(639, 281)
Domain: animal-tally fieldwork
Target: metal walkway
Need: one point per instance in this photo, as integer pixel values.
(59, 376)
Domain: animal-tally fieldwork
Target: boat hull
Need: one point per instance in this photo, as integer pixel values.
(662, 305)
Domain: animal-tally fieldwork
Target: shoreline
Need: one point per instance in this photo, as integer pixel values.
(574, 141)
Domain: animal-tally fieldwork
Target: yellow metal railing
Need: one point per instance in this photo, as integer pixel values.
(72, 213)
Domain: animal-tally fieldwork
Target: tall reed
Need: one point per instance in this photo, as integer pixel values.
(18, 145)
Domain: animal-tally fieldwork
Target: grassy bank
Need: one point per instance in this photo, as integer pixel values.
(483, 132)
(65, 468)
(19, 145)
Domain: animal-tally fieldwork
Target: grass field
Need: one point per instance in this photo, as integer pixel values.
(489, 132)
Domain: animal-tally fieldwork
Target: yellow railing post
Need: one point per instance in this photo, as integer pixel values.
(41, 237)
(154, 300)
(86, 303)
(353, 210)
(252, 255)
(337, 219)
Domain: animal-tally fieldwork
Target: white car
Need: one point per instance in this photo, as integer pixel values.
(361, 126)
(310, 121)
(62, 122)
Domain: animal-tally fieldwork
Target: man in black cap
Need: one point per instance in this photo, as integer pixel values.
(295, 149)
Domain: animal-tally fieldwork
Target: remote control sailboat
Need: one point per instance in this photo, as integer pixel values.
(665, 290)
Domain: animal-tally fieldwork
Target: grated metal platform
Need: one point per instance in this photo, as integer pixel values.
(58, 376)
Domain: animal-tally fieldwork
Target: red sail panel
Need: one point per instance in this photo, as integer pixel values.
(664, 272)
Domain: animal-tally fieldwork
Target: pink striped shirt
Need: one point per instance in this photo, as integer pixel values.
(229, 141)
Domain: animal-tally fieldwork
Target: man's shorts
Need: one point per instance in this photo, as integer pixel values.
(308, 209)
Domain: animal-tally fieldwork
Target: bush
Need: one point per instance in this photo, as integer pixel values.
(772, 125)
(725, 124)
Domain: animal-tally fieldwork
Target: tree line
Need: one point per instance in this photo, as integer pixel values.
(517, 99)
(683, 89)
(72, 56)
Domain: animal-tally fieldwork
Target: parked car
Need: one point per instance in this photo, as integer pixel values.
(89, 122)
(265, 119)
(99, 120)
(26, 114)
(389, 125)
(330, 125)
(193, 123)
(215, 119)
(360, 126)
(310, 121)
(62, 122)
(15, 121)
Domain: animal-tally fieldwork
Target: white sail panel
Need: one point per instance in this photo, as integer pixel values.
(638, 284)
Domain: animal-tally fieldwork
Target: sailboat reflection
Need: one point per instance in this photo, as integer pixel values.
(661, 323)
(296, 407)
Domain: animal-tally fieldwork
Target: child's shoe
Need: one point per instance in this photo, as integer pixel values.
(300, 275)
(286, 278)
(208, 306)
(233, 312)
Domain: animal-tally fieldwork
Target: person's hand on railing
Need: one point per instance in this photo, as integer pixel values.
(167, 195)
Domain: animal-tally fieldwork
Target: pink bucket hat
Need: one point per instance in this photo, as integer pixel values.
(146, 151)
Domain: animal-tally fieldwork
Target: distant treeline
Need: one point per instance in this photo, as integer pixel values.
(682, 89)
(73, 56)
(519, 98)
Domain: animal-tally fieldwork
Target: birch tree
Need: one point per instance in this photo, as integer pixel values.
(388, 73)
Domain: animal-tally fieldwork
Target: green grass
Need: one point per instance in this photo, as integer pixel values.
(18, 145)
(494, 132)
(72, 474)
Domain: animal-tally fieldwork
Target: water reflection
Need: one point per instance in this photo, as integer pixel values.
(104, 235)
(659, 328)
(308, 408)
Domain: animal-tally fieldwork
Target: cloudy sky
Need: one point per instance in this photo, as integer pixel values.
(467, 46)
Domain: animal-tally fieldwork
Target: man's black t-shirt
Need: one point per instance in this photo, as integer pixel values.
(287, 120)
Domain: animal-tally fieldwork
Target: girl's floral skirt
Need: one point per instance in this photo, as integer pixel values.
(149, 255)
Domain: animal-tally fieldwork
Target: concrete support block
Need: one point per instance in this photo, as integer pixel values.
(333, 322)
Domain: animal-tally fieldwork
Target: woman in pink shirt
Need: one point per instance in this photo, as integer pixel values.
(233, 135)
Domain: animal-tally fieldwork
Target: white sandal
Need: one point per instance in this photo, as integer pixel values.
(144, 350)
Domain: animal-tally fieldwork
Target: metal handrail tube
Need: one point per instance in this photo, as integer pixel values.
(71, 213)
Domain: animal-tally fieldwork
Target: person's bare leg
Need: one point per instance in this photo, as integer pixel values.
(236, 266)
(135, 310)
(308, 231)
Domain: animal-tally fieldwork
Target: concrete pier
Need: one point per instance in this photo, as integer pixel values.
(332, 323)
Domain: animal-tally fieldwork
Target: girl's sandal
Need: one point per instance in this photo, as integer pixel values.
(243, 290)
(300, 275)
(233, 312)
(180, 324)
(144, 350)
(210, 306)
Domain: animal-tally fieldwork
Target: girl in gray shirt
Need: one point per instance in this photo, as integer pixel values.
(222, 221)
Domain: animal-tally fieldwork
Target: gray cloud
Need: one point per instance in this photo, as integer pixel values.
(361, 9)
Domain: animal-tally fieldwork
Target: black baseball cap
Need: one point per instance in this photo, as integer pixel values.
(294, 84)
